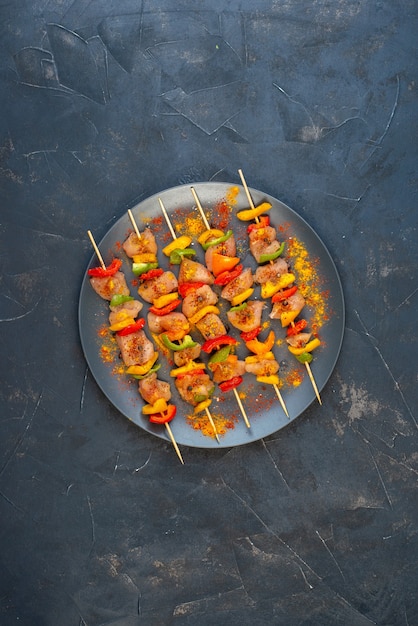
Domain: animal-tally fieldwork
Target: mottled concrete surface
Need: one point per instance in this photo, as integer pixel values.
(103, 104)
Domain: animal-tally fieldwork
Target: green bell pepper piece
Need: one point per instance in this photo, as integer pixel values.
(220, 355)
(218, 240)
(141, 268)
(264, 258)
(186, 343)
(118, 299)
(239, 307)
(305, 357)
(177, 255)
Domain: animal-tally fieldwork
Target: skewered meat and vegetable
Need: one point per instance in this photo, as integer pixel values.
(162, 285)
(247, 317)
(108, 286)
(146, 244)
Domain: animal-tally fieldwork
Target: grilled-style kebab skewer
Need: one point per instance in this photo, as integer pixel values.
(277, 282)
(137, 351)
(199, 298)
(160, 288)
(245, 315)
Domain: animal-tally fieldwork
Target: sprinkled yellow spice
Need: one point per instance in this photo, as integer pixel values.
(294, 378)
(232, 195)
(308, 281)
(202, 423)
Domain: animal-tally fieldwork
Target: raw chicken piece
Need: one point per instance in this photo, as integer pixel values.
(239, 284)
(299, 340)
(211, 326)
(136, 348)
(271, 271)
(175, 321)
(264, 367)
(109, 286)
(249, 317)
(146, 244)
(194, 272)
(263, 241)
(197, 299)
(194, 388)
(293, 303)
(188, 354)
(227, 370)
(156, 287)
(151, 389)
(127, 309)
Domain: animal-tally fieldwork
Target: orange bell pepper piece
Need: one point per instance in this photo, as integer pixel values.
(261, 347)
(222, 263)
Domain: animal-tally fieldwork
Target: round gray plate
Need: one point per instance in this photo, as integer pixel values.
(123, 394)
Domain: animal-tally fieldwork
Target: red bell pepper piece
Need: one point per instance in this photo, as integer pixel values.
(225, 277)
(152, 274)
(165, 309)
(223, 340)
(264, 221)
(165, 416)
(251, 334)
(132, 328)
(284, 295)
(102, 272)
(296, 328)
(233, 382)
(187, 288)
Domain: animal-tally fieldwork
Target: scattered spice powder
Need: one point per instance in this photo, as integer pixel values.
(221, 215)
(309, 282)
(202, 423)
(232, 195)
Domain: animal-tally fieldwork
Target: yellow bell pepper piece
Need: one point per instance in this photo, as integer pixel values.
(189, 367)
(209, 234)
(273, 379)
(256, 358)
(181, 243)
(158, 406)
(140, 370)
(145, 257)
(288, 317)
(127, 321)
(241, 297)
(311, 345)
(201, 406)
(270, 287)
(201, 314)
(251, 214)
(162, 301)
(261, 347)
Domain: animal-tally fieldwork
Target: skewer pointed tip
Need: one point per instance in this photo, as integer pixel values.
(174, 442)
(312, 379)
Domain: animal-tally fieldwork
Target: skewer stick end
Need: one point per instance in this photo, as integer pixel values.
(312, 379)
(174, 442)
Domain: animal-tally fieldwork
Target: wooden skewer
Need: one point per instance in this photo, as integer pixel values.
(206, 223)
(252, 206)
(134, 224)
(102, 263)
(96, 249)
(173, 234)
(174, 442)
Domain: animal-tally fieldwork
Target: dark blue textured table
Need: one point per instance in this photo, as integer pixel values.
(104, 104)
